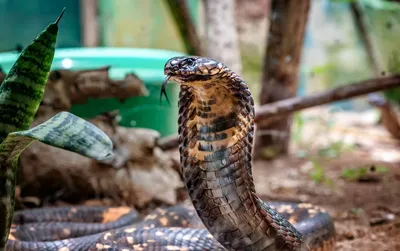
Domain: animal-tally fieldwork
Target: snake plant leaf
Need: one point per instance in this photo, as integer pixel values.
(64, 130)
(22, 89)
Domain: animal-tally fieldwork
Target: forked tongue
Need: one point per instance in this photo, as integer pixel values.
(163, 89)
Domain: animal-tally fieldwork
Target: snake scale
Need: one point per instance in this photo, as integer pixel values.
(216, 128)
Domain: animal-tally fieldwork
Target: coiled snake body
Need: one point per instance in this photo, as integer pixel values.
(216, 127)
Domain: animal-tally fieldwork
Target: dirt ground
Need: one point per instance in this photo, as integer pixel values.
(348, 164)
(366, 214)
(365, 205)
(343, 162)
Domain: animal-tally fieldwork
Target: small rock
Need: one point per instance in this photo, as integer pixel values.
(348, 235)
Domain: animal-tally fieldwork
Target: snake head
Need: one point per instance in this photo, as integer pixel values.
(192, 69)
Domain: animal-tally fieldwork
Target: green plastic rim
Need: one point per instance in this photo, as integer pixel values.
(147, 64)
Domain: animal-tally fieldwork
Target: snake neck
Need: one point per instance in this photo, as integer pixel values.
(216, 126)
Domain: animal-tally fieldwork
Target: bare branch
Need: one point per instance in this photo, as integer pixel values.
(169, 142)
(287, 106)
(273, 111)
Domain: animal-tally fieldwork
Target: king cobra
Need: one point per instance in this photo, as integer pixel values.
(216, 129)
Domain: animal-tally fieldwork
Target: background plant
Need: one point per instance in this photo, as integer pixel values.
(20, 95)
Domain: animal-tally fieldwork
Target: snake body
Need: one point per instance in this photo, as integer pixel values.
(216, 128)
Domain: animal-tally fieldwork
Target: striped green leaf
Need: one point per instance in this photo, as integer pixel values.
(20, 95)
(65, 131)
(22, 90)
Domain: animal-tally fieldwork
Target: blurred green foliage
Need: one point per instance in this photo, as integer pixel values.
(318, 174)
(335, 149)
(359, 172)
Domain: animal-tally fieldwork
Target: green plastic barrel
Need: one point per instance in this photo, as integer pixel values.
(147, 64)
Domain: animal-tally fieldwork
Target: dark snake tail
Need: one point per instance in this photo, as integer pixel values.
(69, 222)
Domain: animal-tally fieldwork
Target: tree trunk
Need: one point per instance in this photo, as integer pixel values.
(222, 39)
(361, 23)
(90, 26)
(184, 22)
(389, 116)
(288, 20)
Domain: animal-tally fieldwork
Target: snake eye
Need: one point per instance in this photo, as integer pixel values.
(190, 62)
